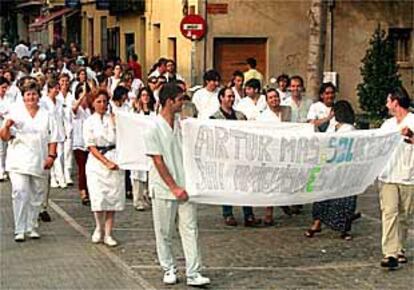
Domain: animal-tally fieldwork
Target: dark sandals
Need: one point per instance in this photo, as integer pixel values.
(346, 236)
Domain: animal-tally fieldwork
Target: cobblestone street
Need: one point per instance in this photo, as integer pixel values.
(234, 258)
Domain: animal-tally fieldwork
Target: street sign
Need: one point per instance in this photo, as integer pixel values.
(193, 27)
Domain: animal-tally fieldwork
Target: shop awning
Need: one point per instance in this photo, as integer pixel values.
(43, 20)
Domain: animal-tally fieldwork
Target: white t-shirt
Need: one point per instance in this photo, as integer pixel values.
(284, 96)
(5, 105)
(14, 94)
(167, 142)
(299, 112)
(78, 120)
(67, 103)
(318, 111)
(28, 149)
(206, 102)
(55, 109)
(22, 50)
(250, 109)
(237, 97)
(400, 168)
(269, 115)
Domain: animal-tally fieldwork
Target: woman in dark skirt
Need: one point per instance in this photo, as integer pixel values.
(338, 213)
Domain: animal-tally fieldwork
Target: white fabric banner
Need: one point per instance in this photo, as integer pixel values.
(130, 145)
(259, 164)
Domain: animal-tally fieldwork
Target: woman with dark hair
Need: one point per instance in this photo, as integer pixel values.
(321, 113)
(144, 105)
(337, 213)
(81, 110)
(105, 180)
(32, 134)
(237, 86)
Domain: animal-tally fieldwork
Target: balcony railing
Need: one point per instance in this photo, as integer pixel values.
(126, 6)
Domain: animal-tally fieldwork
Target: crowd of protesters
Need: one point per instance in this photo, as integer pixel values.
(57, 108)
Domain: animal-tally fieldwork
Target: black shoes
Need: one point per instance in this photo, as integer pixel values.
(391, 263)
(45, 217)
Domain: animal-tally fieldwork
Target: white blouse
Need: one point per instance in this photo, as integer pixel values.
(28, 149)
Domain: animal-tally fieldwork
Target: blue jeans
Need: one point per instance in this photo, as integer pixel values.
(228, 211)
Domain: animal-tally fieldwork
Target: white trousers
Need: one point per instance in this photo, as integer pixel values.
(57, 171)
(3, 149)
(139, 190)
(67, 159)
(27, 194)
(164, 214)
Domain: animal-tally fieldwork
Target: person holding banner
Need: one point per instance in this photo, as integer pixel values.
(321, 113)
(163, 144)
(337, 213)
(274, 113)
(226, 98)
(105, 180)
(397, 183)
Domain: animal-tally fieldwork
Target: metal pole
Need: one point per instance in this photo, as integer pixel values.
(193, 72)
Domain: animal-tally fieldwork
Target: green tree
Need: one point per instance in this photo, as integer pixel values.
(380, 74)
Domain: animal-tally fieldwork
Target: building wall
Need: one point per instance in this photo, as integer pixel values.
(133, 24)
(88, 11)
(354, 24)
(163, 23)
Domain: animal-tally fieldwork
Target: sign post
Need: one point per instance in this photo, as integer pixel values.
(193, 27)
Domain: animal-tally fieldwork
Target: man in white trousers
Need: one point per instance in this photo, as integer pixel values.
(166, 183)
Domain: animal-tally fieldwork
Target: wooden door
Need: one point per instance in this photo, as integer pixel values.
(230, 54)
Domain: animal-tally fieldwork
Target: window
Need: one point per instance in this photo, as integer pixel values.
(401, 38)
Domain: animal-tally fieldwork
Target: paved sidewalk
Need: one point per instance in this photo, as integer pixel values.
(61, 259)
(234, 258)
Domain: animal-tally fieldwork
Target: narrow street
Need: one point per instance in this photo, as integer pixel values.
(234, 258)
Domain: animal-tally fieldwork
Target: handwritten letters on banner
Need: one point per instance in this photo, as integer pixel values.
(260, 164)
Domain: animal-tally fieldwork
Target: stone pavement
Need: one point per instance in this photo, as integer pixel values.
(234, 258)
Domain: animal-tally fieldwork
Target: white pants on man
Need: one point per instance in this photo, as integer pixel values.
(164, 214)
(27, 194)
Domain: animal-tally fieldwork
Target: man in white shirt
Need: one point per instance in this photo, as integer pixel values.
(254, 103)
(206, 99)
(397, 183)
(167, 187)
(300, 105)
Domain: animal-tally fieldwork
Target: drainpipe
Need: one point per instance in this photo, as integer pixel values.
(205, 37)
(331, 5)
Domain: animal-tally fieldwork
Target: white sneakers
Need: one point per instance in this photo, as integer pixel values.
(170, 276)
(107, 240)
(19, 237)
(34, 235)
(110, 241)
(197, 280)
(96, 236)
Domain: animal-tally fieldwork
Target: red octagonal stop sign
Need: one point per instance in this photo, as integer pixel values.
(193, 27)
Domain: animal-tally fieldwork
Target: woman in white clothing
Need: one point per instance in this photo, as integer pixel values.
(4, 110)
(145, 105)
(105, 180)
(321, 113)
(32, 135)
(65, 96)
(114, 80)
(80, 112)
